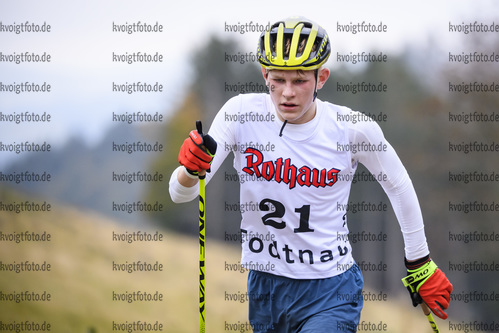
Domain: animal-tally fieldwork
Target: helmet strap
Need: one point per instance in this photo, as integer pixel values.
(316, 73)
(282, 128)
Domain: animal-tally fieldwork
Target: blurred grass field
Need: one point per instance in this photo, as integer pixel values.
(81, 281)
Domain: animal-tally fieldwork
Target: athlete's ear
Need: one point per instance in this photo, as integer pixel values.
(265, 73)
(322, 77)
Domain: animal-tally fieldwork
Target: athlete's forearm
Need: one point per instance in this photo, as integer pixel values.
(407, 209)
(398, 187)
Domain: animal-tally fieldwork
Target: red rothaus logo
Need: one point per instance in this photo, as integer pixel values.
(283, 171)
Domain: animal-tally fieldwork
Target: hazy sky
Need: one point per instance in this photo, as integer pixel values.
(81, 45)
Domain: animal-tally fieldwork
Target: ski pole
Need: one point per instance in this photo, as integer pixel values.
(202, 275)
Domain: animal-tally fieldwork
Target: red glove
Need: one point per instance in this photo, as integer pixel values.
(435, 292)
(197, 151)
(426, 282)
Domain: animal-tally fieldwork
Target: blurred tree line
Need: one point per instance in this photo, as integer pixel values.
(417, 105)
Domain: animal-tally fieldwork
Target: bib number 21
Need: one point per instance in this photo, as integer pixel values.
(277, 210)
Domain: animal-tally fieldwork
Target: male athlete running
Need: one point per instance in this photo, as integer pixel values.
(295, 243)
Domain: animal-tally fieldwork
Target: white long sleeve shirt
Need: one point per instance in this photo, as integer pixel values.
(295, 195)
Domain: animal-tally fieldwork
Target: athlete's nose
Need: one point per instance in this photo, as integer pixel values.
(288, 90)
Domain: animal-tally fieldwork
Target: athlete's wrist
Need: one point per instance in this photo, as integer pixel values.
(185, 179)
(415, 264)
(190, 174)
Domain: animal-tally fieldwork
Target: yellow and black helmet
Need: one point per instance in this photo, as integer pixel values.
(295, 43)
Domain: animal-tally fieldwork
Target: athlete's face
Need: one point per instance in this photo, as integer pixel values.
(292, 93)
